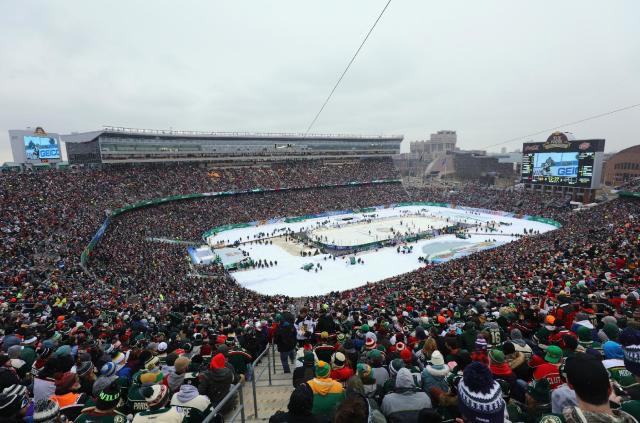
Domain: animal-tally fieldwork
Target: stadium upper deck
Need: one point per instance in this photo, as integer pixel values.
(129, 145)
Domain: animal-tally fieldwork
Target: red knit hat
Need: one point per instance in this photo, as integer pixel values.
(217, 362)
(406, 355)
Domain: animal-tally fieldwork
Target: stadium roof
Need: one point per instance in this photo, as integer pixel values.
(88, 136)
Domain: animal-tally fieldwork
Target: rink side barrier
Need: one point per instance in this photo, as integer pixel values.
(295, 219)
(169, 199)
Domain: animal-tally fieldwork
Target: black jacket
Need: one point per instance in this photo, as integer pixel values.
(215, 384)
(285, 338)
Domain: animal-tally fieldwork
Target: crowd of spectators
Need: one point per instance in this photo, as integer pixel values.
(541, 329)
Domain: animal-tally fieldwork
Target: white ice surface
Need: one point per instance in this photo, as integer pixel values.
(289, 279)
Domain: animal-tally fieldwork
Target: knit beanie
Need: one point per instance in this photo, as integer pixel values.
(338, 359)
(584, 335)
(374, 355)
(322, 369)
(150, 378)
(370, 344)
(612, 331)
(45, 411)
(540, 390)
(151, 363)
(395, 366)
(108, 398)
(612, 349)
(364, 371)
(108, 369)
(19, 390)
(162, 347)
(341, 338)
(308, 357)
(155, 395)
(217, 362)
(10, 404)
(84, 368)
(481, 344)
(406, 355)
(437, 359)
(479, 396)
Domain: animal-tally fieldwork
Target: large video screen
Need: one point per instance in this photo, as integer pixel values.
(563, 162)
(567, 168)
(41, 148)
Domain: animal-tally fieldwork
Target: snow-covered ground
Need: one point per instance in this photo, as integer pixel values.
(288, 277)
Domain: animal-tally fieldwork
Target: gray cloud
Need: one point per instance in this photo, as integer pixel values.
(492, 70)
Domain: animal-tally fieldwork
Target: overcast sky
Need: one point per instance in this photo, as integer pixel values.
(492, 70)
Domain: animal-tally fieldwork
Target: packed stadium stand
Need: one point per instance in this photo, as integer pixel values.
(545, 328)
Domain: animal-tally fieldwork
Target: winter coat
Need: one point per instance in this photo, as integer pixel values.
(518, 363)
(405, 403)
(303, 374)
(576, 415)
(435, 378)
(327, 395)
(194, 406)
(285, 337)
(164, 415)
(215, 384)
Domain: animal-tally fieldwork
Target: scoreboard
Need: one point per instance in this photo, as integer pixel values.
(563, 162)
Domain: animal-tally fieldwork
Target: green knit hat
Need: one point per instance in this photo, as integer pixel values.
(540, 391)
(611, 331)
(364, 371)
(496, 356)
(364, 328)
(584, 334)
(322, 369)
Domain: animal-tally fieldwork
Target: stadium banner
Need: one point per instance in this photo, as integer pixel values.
(544, 220)
(629, 194)
(223, 228)
(421, 203)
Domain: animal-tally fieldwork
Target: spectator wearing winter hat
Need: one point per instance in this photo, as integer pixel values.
(538, 404)
(68, 395)
(104, 410)
(324, 350)
(157, 397)
(585, 340)
(174, 379)
(588, 377)
(340, 371)
(13, 407)
(327, 393)
(194, 406)
(87, 376)
(162, 352)
(630, 340)
(406, 401)
(299, 408)
(47, 411)
(516, 361)
(394, 368)
(16, 362)
(479, 353)
(549, 368)
(434, 376)
(216, 382)
(365, 374)
(376, 361)
(479, 396)
(285, 339)
(520, 344)
(8, 375)
(307, 371)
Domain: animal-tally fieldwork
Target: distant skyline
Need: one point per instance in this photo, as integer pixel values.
(491, 70)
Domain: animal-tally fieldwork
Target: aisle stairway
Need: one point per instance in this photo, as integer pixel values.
(269, 398)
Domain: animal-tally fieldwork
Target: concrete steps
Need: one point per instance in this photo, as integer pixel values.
(269, 398)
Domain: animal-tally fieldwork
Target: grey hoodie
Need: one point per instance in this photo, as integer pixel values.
(175, 381)
(406, 401)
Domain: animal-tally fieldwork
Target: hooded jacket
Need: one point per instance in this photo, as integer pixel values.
(327, 395)
(435, 377)
(405, 403)
(195, 407)
(215, 383)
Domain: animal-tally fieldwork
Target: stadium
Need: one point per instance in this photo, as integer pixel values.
(235, 258)
(348, 212)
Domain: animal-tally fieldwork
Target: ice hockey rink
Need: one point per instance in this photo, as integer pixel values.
(338, 274)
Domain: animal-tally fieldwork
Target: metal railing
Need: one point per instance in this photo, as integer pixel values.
(237, 388)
